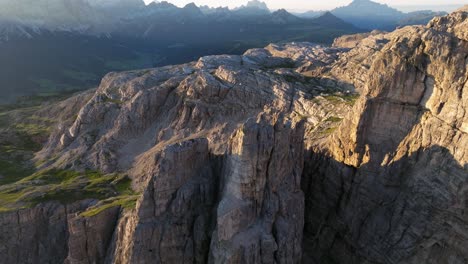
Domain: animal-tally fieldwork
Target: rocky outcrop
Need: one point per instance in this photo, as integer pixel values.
(134, 115)
(246, 193)
(352, 41)
(259, 219)
(171, 223)
(388, 187)
(37, 235)
(89, 237)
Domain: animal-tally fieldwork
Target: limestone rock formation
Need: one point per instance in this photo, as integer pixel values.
(388, 187)
(171, 223)
(89, 237)
(270, 157)
(259, 219)
(351, 41)
(36, 235)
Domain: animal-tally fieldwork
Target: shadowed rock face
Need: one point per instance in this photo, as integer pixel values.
(196, 213)
(259, 219)
(389, 185)
(37, 235)
(269, 158)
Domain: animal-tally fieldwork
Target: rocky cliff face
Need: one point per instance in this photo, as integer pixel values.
(389, 185)
(271, 157)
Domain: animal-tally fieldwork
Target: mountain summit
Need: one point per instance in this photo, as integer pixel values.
(254, 7)
(368, 14)
(257, 4)
(329, 19)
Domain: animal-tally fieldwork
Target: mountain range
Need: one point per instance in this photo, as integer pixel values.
(56, 45)
(107, 16)
(371, 15)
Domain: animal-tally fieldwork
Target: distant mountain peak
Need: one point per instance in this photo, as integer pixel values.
(253, 7)
(257, 4)
(282, 16)
(369, 14)
(329, 14)
(281, 11)
(191, 5)
(367, 4)
(191, 10)
(363, 2)
(163, 4)
(329, 19)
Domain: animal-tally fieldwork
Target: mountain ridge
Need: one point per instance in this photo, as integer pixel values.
(371, 15)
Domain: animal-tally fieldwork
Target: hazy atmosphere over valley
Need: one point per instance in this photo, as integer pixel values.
(226, 132)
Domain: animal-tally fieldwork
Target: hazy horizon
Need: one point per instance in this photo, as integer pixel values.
(306, 5)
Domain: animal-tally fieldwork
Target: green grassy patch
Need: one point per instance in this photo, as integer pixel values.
(36, 118)
(328, 131)
(349, 99)
(125, 201)
(32, 129)
(143, 72)
(65, 186)
(53, 176)
(301, 116)
(13, 170)
(334, 119)
(7, 198)
(33, 102)
(21, 134)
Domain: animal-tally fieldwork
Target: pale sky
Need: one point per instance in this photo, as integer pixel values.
(297, 5)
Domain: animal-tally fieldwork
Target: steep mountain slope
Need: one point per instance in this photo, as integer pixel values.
(264, 157)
